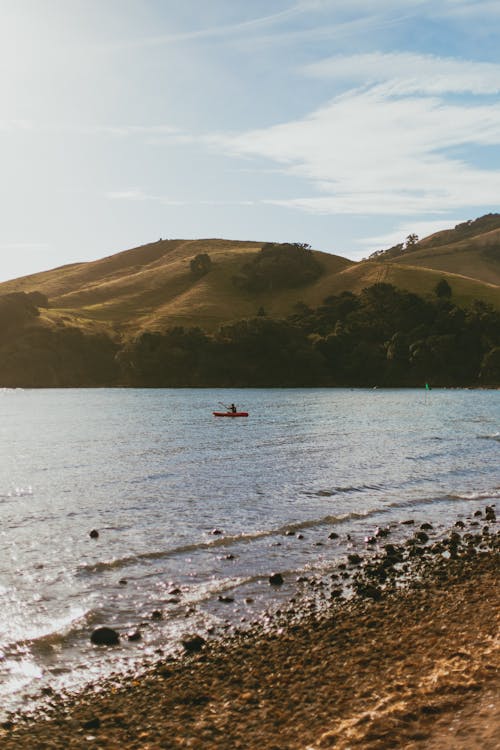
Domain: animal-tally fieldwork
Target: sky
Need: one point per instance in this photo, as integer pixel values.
(346, 124)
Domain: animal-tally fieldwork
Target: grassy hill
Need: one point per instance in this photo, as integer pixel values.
(152, 287)
(470, 250)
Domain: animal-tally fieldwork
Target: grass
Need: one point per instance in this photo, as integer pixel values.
(151, 287)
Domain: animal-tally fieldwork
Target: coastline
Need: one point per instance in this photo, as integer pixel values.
(395, 666)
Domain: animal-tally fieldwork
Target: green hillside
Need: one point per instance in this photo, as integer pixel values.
(152, 287)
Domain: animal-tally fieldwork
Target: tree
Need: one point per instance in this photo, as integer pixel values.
(442, 289)
(200, 265)
(411, 241)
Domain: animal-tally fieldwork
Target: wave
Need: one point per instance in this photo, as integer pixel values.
(494, 436)
(220, 542)
(345, 490)
(223, 541)
(53, 633)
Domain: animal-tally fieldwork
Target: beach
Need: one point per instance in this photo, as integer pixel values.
(409, 661)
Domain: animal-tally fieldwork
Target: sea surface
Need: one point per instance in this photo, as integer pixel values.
(190, 508)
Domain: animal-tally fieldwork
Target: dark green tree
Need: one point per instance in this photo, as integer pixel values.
(443, 289)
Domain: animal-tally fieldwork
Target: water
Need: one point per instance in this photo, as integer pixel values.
(156, 474)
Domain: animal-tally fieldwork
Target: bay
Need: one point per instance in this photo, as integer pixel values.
(156, 474)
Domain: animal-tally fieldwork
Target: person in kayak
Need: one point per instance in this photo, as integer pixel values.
(232, 409)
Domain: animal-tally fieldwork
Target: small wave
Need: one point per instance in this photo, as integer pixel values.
(345, 490)
(52, 634)
(446, 498)
(20, 492)
(495, 436)
(223, 541)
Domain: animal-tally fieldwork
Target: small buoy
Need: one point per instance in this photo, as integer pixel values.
(94, 534)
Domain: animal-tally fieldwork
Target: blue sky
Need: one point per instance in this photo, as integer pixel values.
(347, 124)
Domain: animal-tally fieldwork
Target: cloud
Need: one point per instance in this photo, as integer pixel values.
(139, 195)
(422, 228)
(218, 31)
(383, 148)
(408, 73)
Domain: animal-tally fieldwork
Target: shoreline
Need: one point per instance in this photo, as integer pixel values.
(391, 667)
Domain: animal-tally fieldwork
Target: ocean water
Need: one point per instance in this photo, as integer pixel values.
(156, 474)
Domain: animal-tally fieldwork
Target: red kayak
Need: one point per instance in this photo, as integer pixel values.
(230, 413)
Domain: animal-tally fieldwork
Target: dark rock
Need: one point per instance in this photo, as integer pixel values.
(422, 537)
(478, 513)
(175, 592)
(276, 579)
(426, 527)
(226, 599)
(489, 513)
(193, 643)
(381, 532)
(289, 533)
(460, 525)
(354, 559)
(94, 534)
(368, 591)
(135, 636)
(105, 637)
(336, 593)
(173, 600)
(216, 532)
(300, 536)
(409, 522)
(229, 557)
(249, 600)
(370, 540)
(7, 725)
(123, 581)
(333, 535)
(318, 544)
(93, 723)
(157, 614)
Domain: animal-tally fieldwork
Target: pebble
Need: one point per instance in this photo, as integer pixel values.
(276, 579)
(193, 643)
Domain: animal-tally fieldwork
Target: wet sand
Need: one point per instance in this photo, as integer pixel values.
(411, 661)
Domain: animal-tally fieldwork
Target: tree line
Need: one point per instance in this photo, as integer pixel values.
(383, 336)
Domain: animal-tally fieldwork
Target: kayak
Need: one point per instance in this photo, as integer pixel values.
(230, 413)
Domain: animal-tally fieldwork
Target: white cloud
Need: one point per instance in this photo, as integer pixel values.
(380, 150)
(408, 73)
(140, 195)
(399, 234)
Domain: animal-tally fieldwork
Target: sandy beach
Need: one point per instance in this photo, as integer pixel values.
(410, 661)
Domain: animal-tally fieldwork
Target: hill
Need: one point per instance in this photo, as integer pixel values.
(224, 313)
(152, 287)
(471, 250)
